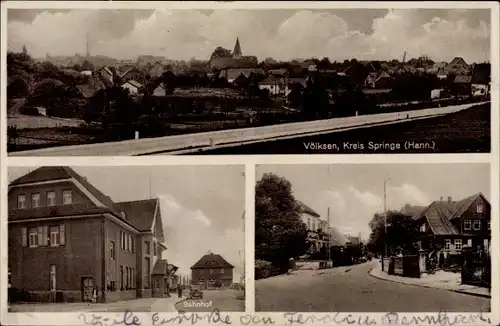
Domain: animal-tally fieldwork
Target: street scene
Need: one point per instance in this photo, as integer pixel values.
(86, 239)
(373, 238)
(247, 81)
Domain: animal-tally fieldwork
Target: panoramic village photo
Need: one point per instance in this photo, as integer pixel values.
(322, 81)
(373, 238)
(85, 239)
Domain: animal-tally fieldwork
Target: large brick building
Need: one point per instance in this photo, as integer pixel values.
(67, 238)
(212, 271)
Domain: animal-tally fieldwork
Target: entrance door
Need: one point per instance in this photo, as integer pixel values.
(87, 288)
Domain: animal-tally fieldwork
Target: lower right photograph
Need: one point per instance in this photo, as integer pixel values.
(373, 238)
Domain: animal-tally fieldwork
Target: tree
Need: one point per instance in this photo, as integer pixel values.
(402, 232)
(220, 52)
(279, 232)
(324, 64)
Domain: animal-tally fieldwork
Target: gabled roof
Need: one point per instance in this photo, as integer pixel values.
(458, 61)
(278, 72)
(211, 260)
(234, 73)
(140, 213)
(303, 208)
(440, 213)
(270, 80)
(54, 173)
(133, 83)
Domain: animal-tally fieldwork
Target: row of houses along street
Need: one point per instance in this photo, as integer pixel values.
(411, 242)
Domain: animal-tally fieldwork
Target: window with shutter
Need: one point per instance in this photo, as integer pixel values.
(62, 235)
(54, 236)
(24, 237)
(45, 236)
(40, 235)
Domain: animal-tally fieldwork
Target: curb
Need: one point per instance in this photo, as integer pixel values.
(430, 287)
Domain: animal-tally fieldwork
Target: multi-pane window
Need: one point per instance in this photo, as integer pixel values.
(21, 201)
(477, 225)
(222, 270)
(489, 224)
(148, 250)
(447, 244)
(43, 236)
(33, 239)
(35, 200)
(54, 236)
(51, 198)
(132, 241)
(458, 244)
(112, 252)
(67, 197)
(121, 277)
(467, 225)
(480, 208)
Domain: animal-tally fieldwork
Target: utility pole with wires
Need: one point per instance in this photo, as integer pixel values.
(328, 227)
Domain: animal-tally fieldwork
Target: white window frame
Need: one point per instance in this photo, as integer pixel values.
(51, 198)
(467, 225)
(21, 202)
(33, 237)
(477, 222)
(480, 208)
(222, 270)
(458, 243)
(54, 236)
(447, 244)
(422, 228)
(35, 200)
(67, 197)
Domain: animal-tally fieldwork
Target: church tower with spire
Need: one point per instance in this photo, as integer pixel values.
(237, 49)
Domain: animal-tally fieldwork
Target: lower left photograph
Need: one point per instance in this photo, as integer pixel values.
(116, 238)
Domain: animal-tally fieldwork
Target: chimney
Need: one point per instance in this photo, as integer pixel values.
(449, 200)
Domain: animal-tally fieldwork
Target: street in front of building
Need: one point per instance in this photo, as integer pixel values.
(353, 289)
(222, 300)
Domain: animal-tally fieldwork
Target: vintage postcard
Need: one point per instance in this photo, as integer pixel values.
(85, 239)
(373, 238)
(247, 80)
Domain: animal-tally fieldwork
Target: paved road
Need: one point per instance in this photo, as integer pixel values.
(136, 305)
(226, 301)
(352, 289)
(178, 144)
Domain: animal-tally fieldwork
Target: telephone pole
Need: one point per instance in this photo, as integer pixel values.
(385, 216)
(328, 227)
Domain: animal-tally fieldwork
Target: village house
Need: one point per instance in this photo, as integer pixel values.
(132, 86)
(458, 66)
(316, 228)
(481, 79)
(273, 84)
(462, 85)
(231, 74)
(450, 225)
(67, 238)
(212, 271)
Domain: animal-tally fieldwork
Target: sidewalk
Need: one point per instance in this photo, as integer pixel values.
(440, 280)
(135, 305)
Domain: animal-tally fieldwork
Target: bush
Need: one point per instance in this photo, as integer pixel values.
(262, 269)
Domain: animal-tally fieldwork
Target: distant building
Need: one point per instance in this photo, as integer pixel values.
(212, 271)
(236, 61)
(132, 86)
(316, 227)
(274, 85)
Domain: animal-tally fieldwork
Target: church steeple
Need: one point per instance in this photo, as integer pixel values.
(24, 49)
(237, 49)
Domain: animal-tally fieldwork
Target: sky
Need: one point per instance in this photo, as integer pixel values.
(355, 192)
(364, 34)
(201, 206)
